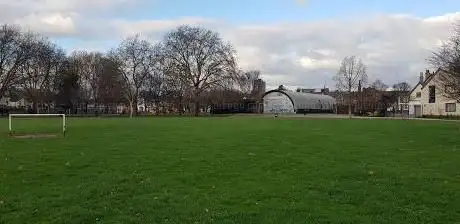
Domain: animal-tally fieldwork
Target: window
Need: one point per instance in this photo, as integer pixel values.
(451, 107)
(432, 94)
(418, 94)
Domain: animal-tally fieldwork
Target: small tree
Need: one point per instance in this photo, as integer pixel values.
(351, 73)
(402, 92)
(109, 83)
(66, 84)
(379, 85)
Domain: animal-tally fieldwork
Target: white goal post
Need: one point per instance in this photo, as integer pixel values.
(36, 115)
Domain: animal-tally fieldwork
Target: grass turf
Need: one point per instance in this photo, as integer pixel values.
(232, 170)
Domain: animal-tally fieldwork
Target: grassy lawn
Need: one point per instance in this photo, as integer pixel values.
(232, 170)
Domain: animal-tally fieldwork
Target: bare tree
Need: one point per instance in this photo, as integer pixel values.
(379, 85)
(134, 57)
(402, 91)
(154, 89)
(15, 49)
(93, 69)
(109, 84)
(66, 84)
(38, 71)
(246, 81)
(88, 66)
(447, 58)
(402, 87)
(351, 73)
(202, 57)
(58, 59)
(176, 92)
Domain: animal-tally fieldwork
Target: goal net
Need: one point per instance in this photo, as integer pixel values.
(36, 125)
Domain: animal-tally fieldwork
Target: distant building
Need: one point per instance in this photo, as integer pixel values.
(290, 102)
(8, 102)
(324, 91)
(258, 87)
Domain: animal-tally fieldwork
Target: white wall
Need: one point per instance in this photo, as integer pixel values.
(414, 99)
(5, 101)
(276, 102)
(438, 108)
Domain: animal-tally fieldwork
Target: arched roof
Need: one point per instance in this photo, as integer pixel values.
(306, 100)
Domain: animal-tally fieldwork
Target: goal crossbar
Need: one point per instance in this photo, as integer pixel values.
(36, 115)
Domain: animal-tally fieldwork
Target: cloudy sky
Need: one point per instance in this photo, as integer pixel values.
(293, 42)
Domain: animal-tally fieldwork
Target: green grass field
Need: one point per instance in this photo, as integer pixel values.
(232, 170)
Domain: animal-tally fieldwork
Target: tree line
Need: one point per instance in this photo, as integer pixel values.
(189, 68)
(351, 83)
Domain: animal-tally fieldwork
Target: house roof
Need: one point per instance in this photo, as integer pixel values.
(415, 87)
(430, 77)
(427, 79)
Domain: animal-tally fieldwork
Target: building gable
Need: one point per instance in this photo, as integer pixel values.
(416, 93)
(431, 78)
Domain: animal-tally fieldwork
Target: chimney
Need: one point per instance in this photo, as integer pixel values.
(427, 73)
(421, 77)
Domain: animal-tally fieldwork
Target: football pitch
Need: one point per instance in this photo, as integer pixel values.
(231, 170)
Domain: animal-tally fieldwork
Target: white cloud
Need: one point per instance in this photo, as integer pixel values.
(443, 19)
(154, 27)
(63, 5)
(49, 23)
(307, 54)
(311, 63)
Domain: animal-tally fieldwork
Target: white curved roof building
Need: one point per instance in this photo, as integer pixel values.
(284, 101)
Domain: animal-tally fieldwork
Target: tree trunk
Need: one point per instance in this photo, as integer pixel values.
(181, 106)
(131, 109)
(35, 107)
(96, 109)
(197, 107)
(136, 111)
(349, 103)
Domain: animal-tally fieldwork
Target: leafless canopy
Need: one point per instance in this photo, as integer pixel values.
(402, 91)
(351, 74)
(16, 47)
(447, 58)
(204, 60)
(246, 80)
(191, 69)
(99, 79)
(135, 58)
(402, 87)
(37, 72)
(379, 85)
